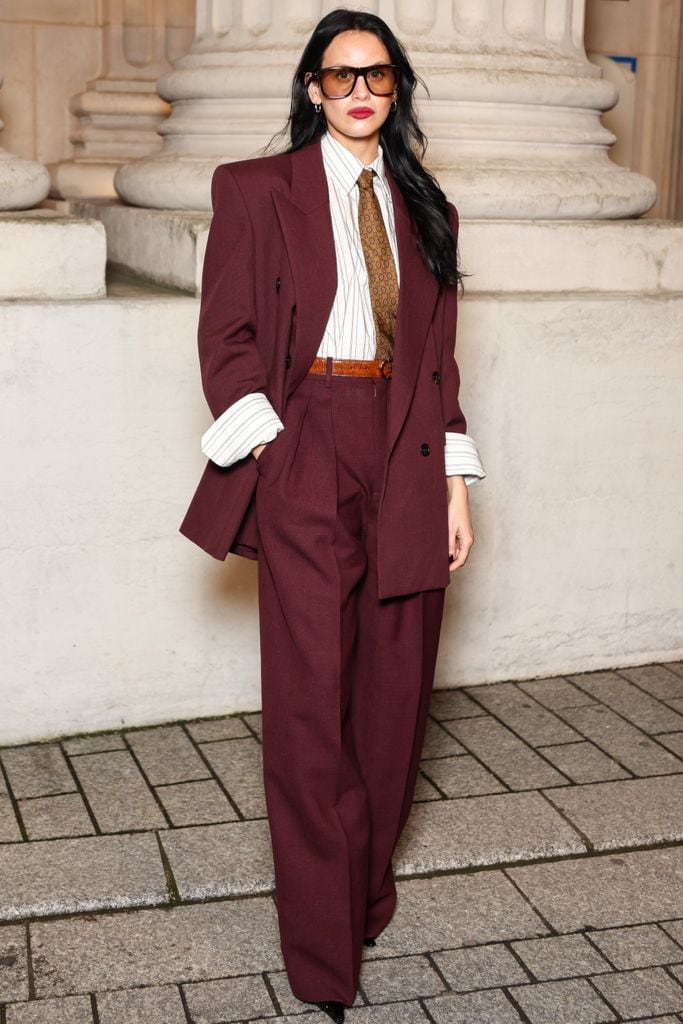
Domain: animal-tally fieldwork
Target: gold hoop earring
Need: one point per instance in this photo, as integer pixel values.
(318, 107)
(393, 106)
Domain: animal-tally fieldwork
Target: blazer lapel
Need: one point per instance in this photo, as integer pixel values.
(418, 294)
(306, 225)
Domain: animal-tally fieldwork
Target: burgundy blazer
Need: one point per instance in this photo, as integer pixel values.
(268, 285)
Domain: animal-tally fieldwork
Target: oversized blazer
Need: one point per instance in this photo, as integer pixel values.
(268, 284)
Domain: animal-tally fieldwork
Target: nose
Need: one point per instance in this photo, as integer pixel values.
(360, 89)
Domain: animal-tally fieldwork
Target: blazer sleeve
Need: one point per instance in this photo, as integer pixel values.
(231, 365)
(454, 419)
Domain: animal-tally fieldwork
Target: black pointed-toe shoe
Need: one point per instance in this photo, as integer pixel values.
(333, 1009)
(369, 942)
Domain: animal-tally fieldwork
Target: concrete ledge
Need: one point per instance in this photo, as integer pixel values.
(47, 255)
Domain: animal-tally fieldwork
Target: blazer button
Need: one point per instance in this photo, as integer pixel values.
(436, 377)
(425, 449)
(288, 361)
(277, 284)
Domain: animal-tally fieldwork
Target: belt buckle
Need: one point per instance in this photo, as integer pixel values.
(385, 368)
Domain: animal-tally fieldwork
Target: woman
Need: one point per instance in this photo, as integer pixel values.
(339, 456)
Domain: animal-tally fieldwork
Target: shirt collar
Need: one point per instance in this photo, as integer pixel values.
(344, 167)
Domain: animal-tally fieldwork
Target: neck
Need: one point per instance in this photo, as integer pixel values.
(365, 149)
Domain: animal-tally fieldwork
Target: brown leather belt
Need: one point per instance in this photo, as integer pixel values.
(354, 367)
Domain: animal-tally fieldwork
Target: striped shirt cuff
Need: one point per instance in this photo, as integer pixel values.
(245, 424)
(462, 458)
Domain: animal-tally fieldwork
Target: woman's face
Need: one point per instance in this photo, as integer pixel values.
(354, 49)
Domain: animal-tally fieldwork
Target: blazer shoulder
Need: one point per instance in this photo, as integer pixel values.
(256, 174)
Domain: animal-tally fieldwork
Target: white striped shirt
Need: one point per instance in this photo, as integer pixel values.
(350, 329)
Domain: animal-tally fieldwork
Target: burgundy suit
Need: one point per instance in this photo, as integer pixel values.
(347, 510)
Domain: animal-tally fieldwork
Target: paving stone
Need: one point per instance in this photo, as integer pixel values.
(13, 964)
(479, 967)
(605, 891)
(238, 765)
(482, 830)
(255, 722)
(584, 762)
(196, 803)
(37, 770)
(221, 860)
(676, 703)
(634, 812)
(117, 792)
(555, 693)
(506, 755)
(489, 1007)
(288, 1002)
(659, 680)
(674, 929)
(461, 776)
(167, 755)
(395, 1013)
(643, 992)
(95, 744)
(438, 742)
(560, 956)
(562, 1002)
(212, 1002)
(403, 977)
(155, 947)
(53, 817)
(63, 876)
(639, 708)
(74, 1010)
(628, 745)
(673, 741)
(480, 907)
(638, 946)
(159, 1005)
(9, 826)
(518, 710)
(447, 704)
(424, 790)
(217, 729)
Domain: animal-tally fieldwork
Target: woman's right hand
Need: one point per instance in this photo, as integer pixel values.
(256, 452)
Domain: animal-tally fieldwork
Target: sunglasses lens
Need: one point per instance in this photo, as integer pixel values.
(338, 82)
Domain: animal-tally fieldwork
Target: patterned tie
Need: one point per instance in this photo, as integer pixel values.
(380, 266)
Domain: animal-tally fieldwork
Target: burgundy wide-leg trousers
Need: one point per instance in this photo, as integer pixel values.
(346, 682)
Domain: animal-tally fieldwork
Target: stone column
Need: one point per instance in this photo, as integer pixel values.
(23, 183)
(119, 113)
(513, 116)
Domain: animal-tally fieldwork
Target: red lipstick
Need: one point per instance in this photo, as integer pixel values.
(361, 112)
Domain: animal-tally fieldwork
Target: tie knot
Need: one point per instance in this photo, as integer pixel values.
(365, 180)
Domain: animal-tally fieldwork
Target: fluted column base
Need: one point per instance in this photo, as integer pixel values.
(23, 183)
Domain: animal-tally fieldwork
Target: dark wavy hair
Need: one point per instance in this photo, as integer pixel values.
(403, 141)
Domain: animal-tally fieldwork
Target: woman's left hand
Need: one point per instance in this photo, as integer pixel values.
(460, 533)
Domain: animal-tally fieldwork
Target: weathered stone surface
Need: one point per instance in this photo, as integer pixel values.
(637, 946)
(37, 770)
(54, 817)
(155, 947)
(479, 967)
(231, 999)
(461, 776)
(562, 1002)
(474, 1008)
(167, 755)
(156, 1005)
(584, 762)
(68, 875)
(438, 742)
(196, 803)
(9, 826)
(447, 704)
(506, 755)
(606, 891)
(560, 956)
(639, 708)
(673, 741)
(424, 790)
(73, 1010)
(635, 812)
(255, 722)
(628, 745)
(527, 718)
(659, 680)
(674, 929)
(13, 964)
(404, 977)
(482, 830)
(95, 744)
(394, 1013)
(238, 765)
(288, 1002)
(117, 792)
(221, 860)
(211, 729)
(555, 693)
(642, 992)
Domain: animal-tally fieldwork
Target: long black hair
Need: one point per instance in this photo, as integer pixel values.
(403, 141)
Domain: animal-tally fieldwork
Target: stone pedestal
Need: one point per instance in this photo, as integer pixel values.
(48, 255)
(513, 118)
(23, 183)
